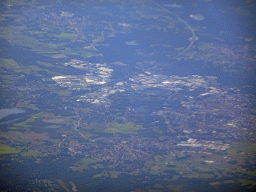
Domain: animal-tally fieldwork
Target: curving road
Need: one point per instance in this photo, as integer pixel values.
(183, 21)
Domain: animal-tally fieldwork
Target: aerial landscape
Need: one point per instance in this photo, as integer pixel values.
(125, 95)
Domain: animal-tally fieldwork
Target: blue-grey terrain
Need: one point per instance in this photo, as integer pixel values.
(127, 95)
